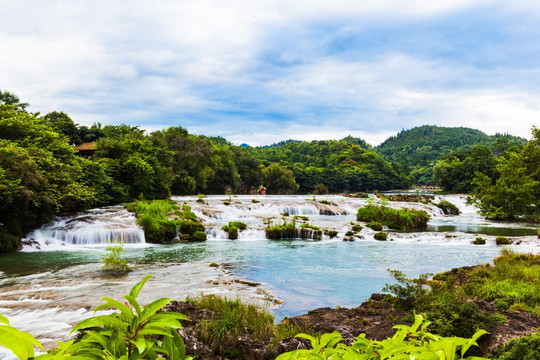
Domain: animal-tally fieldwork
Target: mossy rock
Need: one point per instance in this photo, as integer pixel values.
(199, 236)
(501, 240)
(381, 236)
(373, 225)
(479, 241)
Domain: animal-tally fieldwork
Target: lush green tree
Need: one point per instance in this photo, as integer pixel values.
(63, 124)
(514, 191)
(279, 180)
(455, 172)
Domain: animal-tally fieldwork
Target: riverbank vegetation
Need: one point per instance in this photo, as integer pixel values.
(401, 219)
(457, 301)
(165, 221)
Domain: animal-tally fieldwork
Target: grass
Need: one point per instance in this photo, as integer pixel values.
(234, 319)
(163, 220)
(402, 219)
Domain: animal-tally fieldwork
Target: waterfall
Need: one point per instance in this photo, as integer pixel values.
(94, 227)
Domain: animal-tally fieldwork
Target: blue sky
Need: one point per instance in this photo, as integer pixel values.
(264, 71)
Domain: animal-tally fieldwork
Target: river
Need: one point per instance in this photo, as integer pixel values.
(55, 281)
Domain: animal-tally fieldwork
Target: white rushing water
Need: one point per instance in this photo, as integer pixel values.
(96, 227)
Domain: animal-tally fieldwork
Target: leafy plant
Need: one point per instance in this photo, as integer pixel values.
(408, 292)
(521, 348)
(409, 342)
(112, 260)
(20, 342)
(403, 219)
(132, 332)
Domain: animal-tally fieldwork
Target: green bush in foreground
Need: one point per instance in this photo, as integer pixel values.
(409, 342)
(132, 332)
(402, 219)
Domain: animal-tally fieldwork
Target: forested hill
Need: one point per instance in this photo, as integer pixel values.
(339, 165)
(419, 148)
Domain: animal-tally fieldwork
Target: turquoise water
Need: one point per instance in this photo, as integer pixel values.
(304, 274)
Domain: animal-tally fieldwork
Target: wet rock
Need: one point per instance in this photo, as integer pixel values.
(290, 344)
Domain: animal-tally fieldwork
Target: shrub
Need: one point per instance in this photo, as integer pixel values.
(479, 241)
(408, 292)
(112, 260)
(403, 219)
(356, 228)
(199, 236)
(448, 208)
(381, 236)
(501, 240)
(521, 348)
(232, 229)
(233, 233)
(373, 225)
(320, 189)
(409, 342)
(155, 219)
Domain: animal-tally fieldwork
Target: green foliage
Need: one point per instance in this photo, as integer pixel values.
(235, 319)
(232, 229)
(513, 192)
(279, 180)
(132, 332)
(419, 148)
(408, 292)
(514, 279)
(403, 219)
(409, 342)
(21, 343)
(374, 225)
(112, 260)
(501, 240)
(448, 208)
(456, 171)
(320, 189)
(286, 230)
(479, 241)
(199, 236)
(339, 165)
(164, 220)
(356, 228)
(521, 348)
(381, 236)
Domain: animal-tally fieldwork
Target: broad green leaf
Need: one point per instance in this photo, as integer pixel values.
(112, 321)
(86, 324)
(137, 288)
(153, 307)
(124, 309)
(4, 320)
(165, 323)
(140, 343)
(19, 342)
(149, 330)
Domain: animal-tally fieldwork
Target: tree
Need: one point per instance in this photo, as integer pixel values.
(514, 191)
(279, 180)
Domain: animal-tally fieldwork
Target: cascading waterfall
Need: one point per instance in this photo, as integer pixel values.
(95, 227)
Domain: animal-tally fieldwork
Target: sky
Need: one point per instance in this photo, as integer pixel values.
(259, 72)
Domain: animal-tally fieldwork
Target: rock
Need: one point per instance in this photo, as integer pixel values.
(290, 344)
(193, 345)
